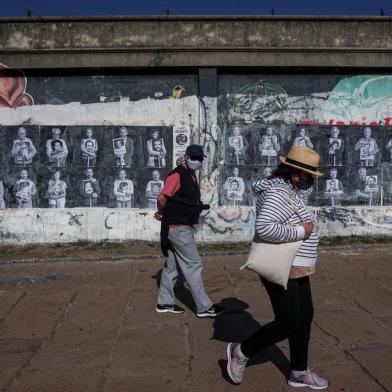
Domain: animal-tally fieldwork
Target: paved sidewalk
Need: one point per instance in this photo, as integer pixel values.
(91, 326)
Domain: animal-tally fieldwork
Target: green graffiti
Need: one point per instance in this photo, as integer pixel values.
(362, 98)
(258, 101)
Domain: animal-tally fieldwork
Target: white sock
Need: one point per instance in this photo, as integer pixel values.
(299, 373)
(238, 352)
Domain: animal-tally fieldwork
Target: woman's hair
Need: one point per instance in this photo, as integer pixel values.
(284, 172)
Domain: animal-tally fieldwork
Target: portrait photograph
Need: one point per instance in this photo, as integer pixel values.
(22, 154)
(22, 145)
(123, 190)
(267, 144)
(235, 182)
(56, 191)
(124, 147)
(119, 146)
(24, 189)
(156, 150)
(55, 148)
(330, 143)
(158, 146)
(371, 184)
(303, 139)
(237, 150)
(153, 188)
(367, 146)
(332, 187)
(88, 187)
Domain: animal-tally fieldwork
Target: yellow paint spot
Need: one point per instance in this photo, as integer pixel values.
(177, 91)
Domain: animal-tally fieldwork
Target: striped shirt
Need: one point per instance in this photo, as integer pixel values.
(277, 221)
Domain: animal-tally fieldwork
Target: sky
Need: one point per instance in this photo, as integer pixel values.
(194, 7)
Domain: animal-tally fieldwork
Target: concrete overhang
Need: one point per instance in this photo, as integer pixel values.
(196, 41)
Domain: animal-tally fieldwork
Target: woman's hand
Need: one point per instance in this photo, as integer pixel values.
(308, 227)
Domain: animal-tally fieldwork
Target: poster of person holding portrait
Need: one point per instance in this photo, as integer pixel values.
(89, 189)
(153, 189)
(124, 149)
(237, 147)
(23, 150)
(234, 189)
(89, 148)
(367, 147)
(56, 149)
(123, 191)
(57, 191)
(156, 150)
(335, 148)
(269, 147)
(24, 189)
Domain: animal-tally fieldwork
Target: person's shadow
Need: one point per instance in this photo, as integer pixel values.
(235, 325)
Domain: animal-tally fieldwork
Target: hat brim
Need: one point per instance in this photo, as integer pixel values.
(315, 173)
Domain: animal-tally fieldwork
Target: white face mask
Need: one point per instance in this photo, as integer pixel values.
(193, 165)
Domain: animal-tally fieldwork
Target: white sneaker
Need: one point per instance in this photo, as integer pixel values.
(307, 379)
(235, 364)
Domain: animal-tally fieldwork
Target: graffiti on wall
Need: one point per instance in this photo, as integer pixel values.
(13, 88)
(347, 119)
(109, 140)
(140, 127)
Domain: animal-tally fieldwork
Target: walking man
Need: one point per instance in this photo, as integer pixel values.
(179, 207)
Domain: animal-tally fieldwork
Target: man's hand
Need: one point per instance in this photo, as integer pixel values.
(158, 216)
(308, 229)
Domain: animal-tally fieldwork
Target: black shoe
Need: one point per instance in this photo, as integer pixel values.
(169, 309)
(213, 311)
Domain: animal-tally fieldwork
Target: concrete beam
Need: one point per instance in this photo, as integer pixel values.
(198, 58)
(172, 41)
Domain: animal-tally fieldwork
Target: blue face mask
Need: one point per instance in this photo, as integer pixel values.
(193, 165)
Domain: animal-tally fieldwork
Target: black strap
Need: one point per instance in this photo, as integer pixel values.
(300, 164)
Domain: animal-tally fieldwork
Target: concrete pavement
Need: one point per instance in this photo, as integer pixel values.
(91, 326)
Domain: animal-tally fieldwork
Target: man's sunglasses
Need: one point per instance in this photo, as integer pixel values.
(196, 158)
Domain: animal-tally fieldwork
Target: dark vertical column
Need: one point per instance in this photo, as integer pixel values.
(208, 82)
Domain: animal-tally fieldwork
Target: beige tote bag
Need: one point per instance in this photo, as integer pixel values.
(273, 261)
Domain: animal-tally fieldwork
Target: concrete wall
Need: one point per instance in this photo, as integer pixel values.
(342, 85)
(273, 41)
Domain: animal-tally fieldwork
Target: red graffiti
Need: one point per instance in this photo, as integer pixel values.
(13, 88)
(386, 123)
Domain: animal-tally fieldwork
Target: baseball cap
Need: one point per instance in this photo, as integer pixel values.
(195, 150)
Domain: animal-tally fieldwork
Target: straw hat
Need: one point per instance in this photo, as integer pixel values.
(303, 158)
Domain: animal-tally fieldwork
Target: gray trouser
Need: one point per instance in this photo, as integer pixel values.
(183, 252)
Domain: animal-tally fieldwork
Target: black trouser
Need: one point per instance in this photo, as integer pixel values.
(293, 310)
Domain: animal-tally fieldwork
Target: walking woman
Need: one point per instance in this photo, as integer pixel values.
(277, 222)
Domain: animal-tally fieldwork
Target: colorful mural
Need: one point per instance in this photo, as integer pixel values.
(109, 140)
(13, 88)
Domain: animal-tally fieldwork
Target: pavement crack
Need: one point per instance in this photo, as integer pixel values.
(10, 309)
(383, 285)
(231, 282)
(126, 312)
(325, 332)
(189, 355)
(379, 383)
